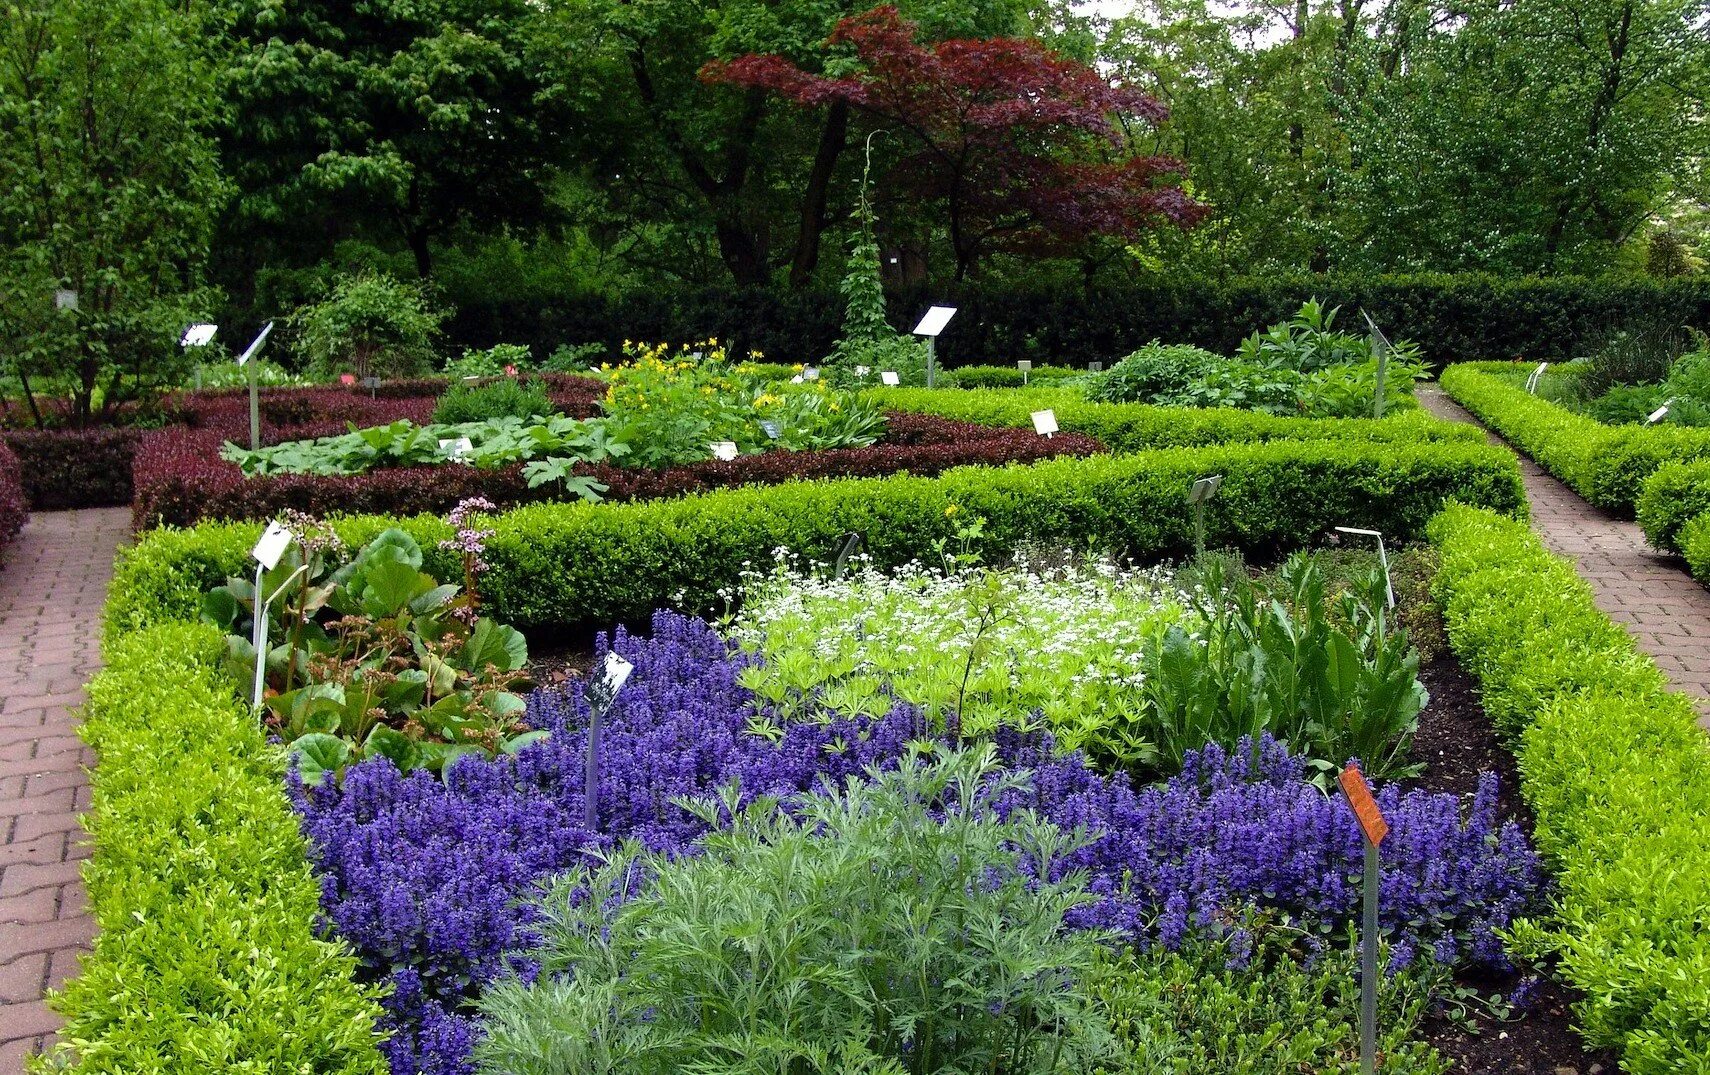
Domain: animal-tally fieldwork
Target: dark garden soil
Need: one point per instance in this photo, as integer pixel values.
(1456, 742)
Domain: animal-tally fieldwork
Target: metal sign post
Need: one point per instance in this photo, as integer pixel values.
(274, 541)
(1537, 375)
(1026, 367)
(243, 361)
(602, 693)
(1202, 490)
(1380, 347)
(1373, 828)
(1045, 423)
(931, 326)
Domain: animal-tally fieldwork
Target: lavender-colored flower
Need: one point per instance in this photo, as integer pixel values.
(431, 880)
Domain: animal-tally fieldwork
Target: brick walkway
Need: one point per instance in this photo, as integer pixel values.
(1663, 607)
(51, 589)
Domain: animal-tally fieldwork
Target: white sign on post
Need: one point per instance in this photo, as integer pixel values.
(65, 299)
(770, 428)
(1204, 489)
(1045, 422)
(1023, 364)
(797, 379)
(274, 541)
(198, 335)
(933, 323)
(890, 377)
(1095, 367)
(1537, 375)
(1657, 415)
(457, 449)
(810, 374)
(617, 672)
(723, 450)
(250, 351)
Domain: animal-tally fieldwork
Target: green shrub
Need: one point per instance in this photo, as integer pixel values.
(1128, 427)
(507, 397)
(1626, 404)
(591, 563)
(369, 324)
(1607, 465)
(207, 957)
(1671, 497)
(1632, 356)
(1618, 776)
(1695, 547)
(1192, 1012)
(1155, 370)
(887, 925)
(1009, 376)
(495, 361)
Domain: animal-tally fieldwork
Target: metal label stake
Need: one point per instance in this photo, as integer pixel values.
(601, 694)
(1374, 828)
(1203, 490)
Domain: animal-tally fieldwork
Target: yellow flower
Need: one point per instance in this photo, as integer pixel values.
(834, 407)
(797, 368)
(951, 510)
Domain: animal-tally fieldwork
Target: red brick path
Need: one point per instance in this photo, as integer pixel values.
(51, 589)
(1664, 608)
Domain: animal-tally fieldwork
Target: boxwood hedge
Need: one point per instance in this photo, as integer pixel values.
(1607, 465)
(1127, 427)
(207, 957)
(557, 564)
(1618, 776)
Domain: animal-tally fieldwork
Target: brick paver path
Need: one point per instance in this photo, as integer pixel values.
(1662, 606)
(51, 589)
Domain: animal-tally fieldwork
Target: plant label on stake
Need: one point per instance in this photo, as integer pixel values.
(601, 694)
(723, 450)
(797, 379)
(862, 371)
(198, 335)
(1025, 366)
(372, 384)
(65, 300)
(811, 373)
(1657, 415)
(1095, 367)
(274, 541)
(1200, 492)
(254, 387)
(890, 377)
(931, 326)
(1383, 558)
(770, 428)
(1537, 375)
(1374, 828)
(457, 449)
(1045, 422)
(1380, 348)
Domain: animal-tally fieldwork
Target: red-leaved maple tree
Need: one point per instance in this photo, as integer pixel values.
(1025, 149)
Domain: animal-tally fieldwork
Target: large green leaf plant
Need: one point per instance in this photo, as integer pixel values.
(375, 657)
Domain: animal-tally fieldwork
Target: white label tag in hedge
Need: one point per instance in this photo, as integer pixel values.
(770, 427)
(457, 449)
(1657, 415)
(723, 450)
(274, 541)
(935, 320)
(1024, 365)
(198, 335)
(1045, 422)
(810, 374)
(890, 377)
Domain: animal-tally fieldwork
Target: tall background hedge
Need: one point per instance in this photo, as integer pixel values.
(1455, 318)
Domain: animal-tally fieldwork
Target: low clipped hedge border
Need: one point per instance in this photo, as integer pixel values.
(580, 564)
(1672, 497)
(181, 481)
(1607, 465)
(207, 956)
(1006, 376)
(1127, 427)
(1618, 775)
(63, 468)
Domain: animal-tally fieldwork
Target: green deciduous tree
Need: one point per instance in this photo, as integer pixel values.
(109, 187)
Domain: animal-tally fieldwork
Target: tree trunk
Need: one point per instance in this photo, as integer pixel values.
(818, 192)
(418, 240)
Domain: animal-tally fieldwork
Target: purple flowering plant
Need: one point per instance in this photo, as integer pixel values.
(431, 880)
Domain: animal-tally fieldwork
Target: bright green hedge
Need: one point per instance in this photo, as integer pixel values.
(1670, 498)
(1607, 465)
(592, 563)
(1695, 547)
(1618, 776)
(1006, 376)
(207, 958)
(1128, 427)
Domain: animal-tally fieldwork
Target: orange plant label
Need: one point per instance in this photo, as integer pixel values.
(1365, 807)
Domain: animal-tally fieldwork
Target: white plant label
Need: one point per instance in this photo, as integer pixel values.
(770, 427)
(198, 335)
(1045, 422)
(249, 352)
(617, 672)
(935, 320)
(1024, 365)
(723, 450)
(1095, 367)
(797, 379)
(890, 377)
(457, 449)
(65, 299)
(810, 374)
(274, 541)
(1657, 415)
(1204, 489)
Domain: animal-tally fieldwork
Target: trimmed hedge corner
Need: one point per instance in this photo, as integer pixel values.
(65, 468)
(556, 564)
(207, 957)
(1618, 775)
(1131, 427)
(1607, 465)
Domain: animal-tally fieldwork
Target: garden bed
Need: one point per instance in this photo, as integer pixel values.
(181, 480)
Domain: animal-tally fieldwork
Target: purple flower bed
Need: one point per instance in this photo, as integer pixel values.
(430, 881)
